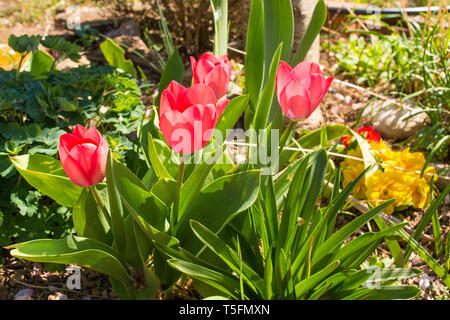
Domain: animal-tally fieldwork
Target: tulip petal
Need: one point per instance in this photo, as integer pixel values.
(83, 153)
(218, 80)
(305, 69)
(201, 94)
(205, 65)
(283, 77)
(194, 73)
(295, 101)
(220, 108)
(94, 135)
(79, 131)
(75, 173)
(98, 162)
(66, 142)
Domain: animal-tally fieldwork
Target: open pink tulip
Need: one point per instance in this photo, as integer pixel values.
(83, 156)
(300, 90)
(187, 117)
(212, 71)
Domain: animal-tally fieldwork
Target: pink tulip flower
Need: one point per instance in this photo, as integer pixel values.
(83, 156)
(213, 72)
(187, 117)
(300, 90)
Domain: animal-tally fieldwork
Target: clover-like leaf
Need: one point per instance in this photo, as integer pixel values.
(24, 44)
(62, 46)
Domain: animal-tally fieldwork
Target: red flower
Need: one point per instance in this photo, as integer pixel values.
(83, 156)
(213, 72)
(300, 90)
(368, 133)
(187, 117)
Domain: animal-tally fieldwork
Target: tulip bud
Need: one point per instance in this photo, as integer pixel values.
(213, 72)
(300, 90)
(83, 156)
(187, 117)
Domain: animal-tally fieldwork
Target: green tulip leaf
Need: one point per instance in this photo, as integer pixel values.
(47, 175)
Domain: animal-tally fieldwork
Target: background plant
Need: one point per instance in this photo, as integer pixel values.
(39, 105)
(411, 62)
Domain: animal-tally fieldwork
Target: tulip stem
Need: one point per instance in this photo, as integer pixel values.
(286, 134)
(99, 201)
(176, 203)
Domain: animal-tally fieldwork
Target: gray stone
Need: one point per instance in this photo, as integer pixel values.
(129, 36)
(391, 119)
(314, 121)
(73, 16)
(444, 171)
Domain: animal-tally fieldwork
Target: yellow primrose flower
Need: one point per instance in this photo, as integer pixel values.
(8, 57)
(406, 186)
(385, 185)
(351, 169)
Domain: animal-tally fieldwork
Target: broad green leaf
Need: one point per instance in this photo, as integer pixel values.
(225, 283)
(192, 186)
(115, 205)
(254, 60)
(394, 246)
(298, 191)
(339, 237)
(74, 250)
(367, 153)
(47, 175)
(229, 256)
(235, 193)
(150, 288)
(88, 220)
(155, 160)
(393, 293)
(174, 71)
(358, 245)
(41, 62)
(310, 283)
(115, 56)
(318, 19)
(278, 28)
(165, 190)
(391, 274)
(265, 101)
(231, 114)
(138, 198)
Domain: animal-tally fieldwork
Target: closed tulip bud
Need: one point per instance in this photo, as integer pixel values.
(300, 90)
(215, 72)
(83, 156)
(187, 117)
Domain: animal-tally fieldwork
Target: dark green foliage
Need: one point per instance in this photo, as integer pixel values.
(35, 110)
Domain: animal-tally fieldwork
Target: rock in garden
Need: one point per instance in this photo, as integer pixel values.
(314, 121)
(443, 170)
(129, 37)
(76, 16)
(392, 120)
